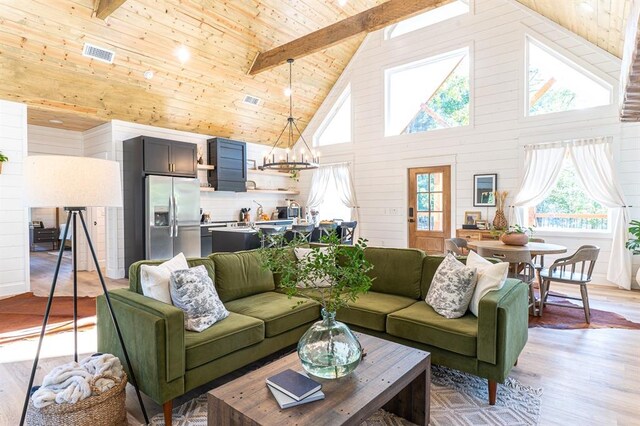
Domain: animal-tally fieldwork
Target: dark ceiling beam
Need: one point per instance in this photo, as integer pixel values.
(373, 19)
(107, 7)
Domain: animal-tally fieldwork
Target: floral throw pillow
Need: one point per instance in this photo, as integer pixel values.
(451, 288)
(193, 291)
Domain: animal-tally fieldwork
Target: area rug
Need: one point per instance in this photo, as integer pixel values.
(457, 399)
(561, 318)
(22, 315)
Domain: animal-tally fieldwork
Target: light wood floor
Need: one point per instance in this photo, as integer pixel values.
(588, 377)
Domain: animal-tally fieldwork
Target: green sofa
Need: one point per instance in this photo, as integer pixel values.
(170, 361)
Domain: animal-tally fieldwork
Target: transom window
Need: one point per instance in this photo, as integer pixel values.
(336, 127)
(568, 206)
(423, 20)
(556, 84)
(430, 201)
(428, 94)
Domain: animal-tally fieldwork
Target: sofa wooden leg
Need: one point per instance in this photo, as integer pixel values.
(515, 364)
(167, 407)
(493, 390)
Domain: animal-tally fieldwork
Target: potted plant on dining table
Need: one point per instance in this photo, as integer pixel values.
(516, 235)
(333, 275)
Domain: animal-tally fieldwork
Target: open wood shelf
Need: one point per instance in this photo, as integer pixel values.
(268, 173)
(258, 191)
(207, 189)
(206, 167)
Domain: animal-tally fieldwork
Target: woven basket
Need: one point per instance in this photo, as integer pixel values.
(100, 409)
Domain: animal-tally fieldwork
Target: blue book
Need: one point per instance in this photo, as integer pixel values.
(294, 384)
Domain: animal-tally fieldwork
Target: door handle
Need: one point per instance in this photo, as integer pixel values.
(411, 220)
(171, 218)
(175, 216)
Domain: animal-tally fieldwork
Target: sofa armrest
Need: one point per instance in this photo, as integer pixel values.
(503, 317)
(153, 333)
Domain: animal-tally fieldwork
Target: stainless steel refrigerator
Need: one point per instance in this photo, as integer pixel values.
(172, 217)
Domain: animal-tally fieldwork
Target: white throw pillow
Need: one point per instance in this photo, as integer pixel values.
(192, 290)
(491, 276)
(155, 279)
(451, 288)
(302, 254)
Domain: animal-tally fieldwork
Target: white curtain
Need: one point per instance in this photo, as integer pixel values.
(330, 176)
(319, 185)
(593, 161)
(542, 166)
(346, 191)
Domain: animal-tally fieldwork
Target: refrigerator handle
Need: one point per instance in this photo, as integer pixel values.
(171, 217)
(175, 216)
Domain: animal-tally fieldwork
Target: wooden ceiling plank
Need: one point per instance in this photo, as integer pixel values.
(107, 7)
(370, 20)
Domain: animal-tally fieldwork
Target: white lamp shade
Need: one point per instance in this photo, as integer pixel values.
(62, 181)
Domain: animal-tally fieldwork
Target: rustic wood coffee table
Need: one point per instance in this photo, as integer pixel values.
(390, 376)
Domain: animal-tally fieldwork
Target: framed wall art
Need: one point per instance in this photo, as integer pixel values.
(484, 187)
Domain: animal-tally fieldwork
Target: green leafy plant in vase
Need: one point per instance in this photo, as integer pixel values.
(3, 158)
(516, 235)
(333, 275)
(633, 244)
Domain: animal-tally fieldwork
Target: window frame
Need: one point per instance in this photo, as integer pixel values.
(437, 56)
(570, 60)
(570, 232)
(386, 35)
(346, 93)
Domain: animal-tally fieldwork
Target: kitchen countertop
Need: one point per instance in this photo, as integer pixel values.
(260, 222)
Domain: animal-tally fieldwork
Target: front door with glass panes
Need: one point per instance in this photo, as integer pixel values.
(429, 208)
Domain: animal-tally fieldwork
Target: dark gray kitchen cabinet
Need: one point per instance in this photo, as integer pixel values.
(230, 160)
(166, 157)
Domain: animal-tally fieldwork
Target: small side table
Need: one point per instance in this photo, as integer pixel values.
(43, 235)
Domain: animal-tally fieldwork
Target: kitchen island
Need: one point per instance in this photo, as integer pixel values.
(237, 236)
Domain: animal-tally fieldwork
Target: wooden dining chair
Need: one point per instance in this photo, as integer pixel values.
(457, 246)
(520, 267)
(303, 232)
(575, 269)
(347, 232)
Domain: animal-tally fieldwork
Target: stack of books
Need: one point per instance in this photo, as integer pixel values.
(291, 388)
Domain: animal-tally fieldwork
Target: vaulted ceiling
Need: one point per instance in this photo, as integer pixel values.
(41, 60)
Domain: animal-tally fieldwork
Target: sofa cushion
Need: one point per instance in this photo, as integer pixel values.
(134, 270)
(232, 333)
(279, 312)
(395, 271)
(371, 309)
(240, 275)
(420, 323)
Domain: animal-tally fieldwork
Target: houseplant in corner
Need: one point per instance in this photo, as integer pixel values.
(332, 275)
(633, 244)
(3, 158)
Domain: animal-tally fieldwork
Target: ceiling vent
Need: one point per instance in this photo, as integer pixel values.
(251, 100)
(98, 53)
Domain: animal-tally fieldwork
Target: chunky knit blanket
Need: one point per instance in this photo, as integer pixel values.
(72, 382)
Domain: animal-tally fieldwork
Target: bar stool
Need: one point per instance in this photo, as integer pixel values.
(271, 236)
(347, 230)
(302, 232)
(327, 228)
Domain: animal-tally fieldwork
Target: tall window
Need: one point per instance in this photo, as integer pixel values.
(428, 94)
(336, 127)
(433, 16)
(568, 206)
(332, 206)
(556, 84)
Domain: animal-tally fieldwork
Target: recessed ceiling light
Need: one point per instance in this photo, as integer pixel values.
(586, 7)
(342, 2)
(287, 92)
(148, 74)
(182, 53)
(56, 121)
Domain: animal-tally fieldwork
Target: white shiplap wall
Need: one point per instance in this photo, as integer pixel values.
(221, 205)
(50, 141)
(14, 238)
(495, 33)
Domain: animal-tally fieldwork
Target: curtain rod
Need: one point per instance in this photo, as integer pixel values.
(565, 142)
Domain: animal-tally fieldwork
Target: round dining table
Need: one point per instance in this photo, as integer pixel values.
(536, 249)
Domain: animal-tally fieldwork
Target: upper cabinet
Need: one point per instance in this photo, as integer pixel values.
(166, 157)
(230, 160)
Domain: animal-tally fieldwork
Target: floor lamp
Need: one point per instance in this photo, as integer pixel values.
(55, 181)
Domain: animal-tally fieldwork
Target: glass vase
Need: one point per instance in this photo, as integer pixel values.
(329, 349)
